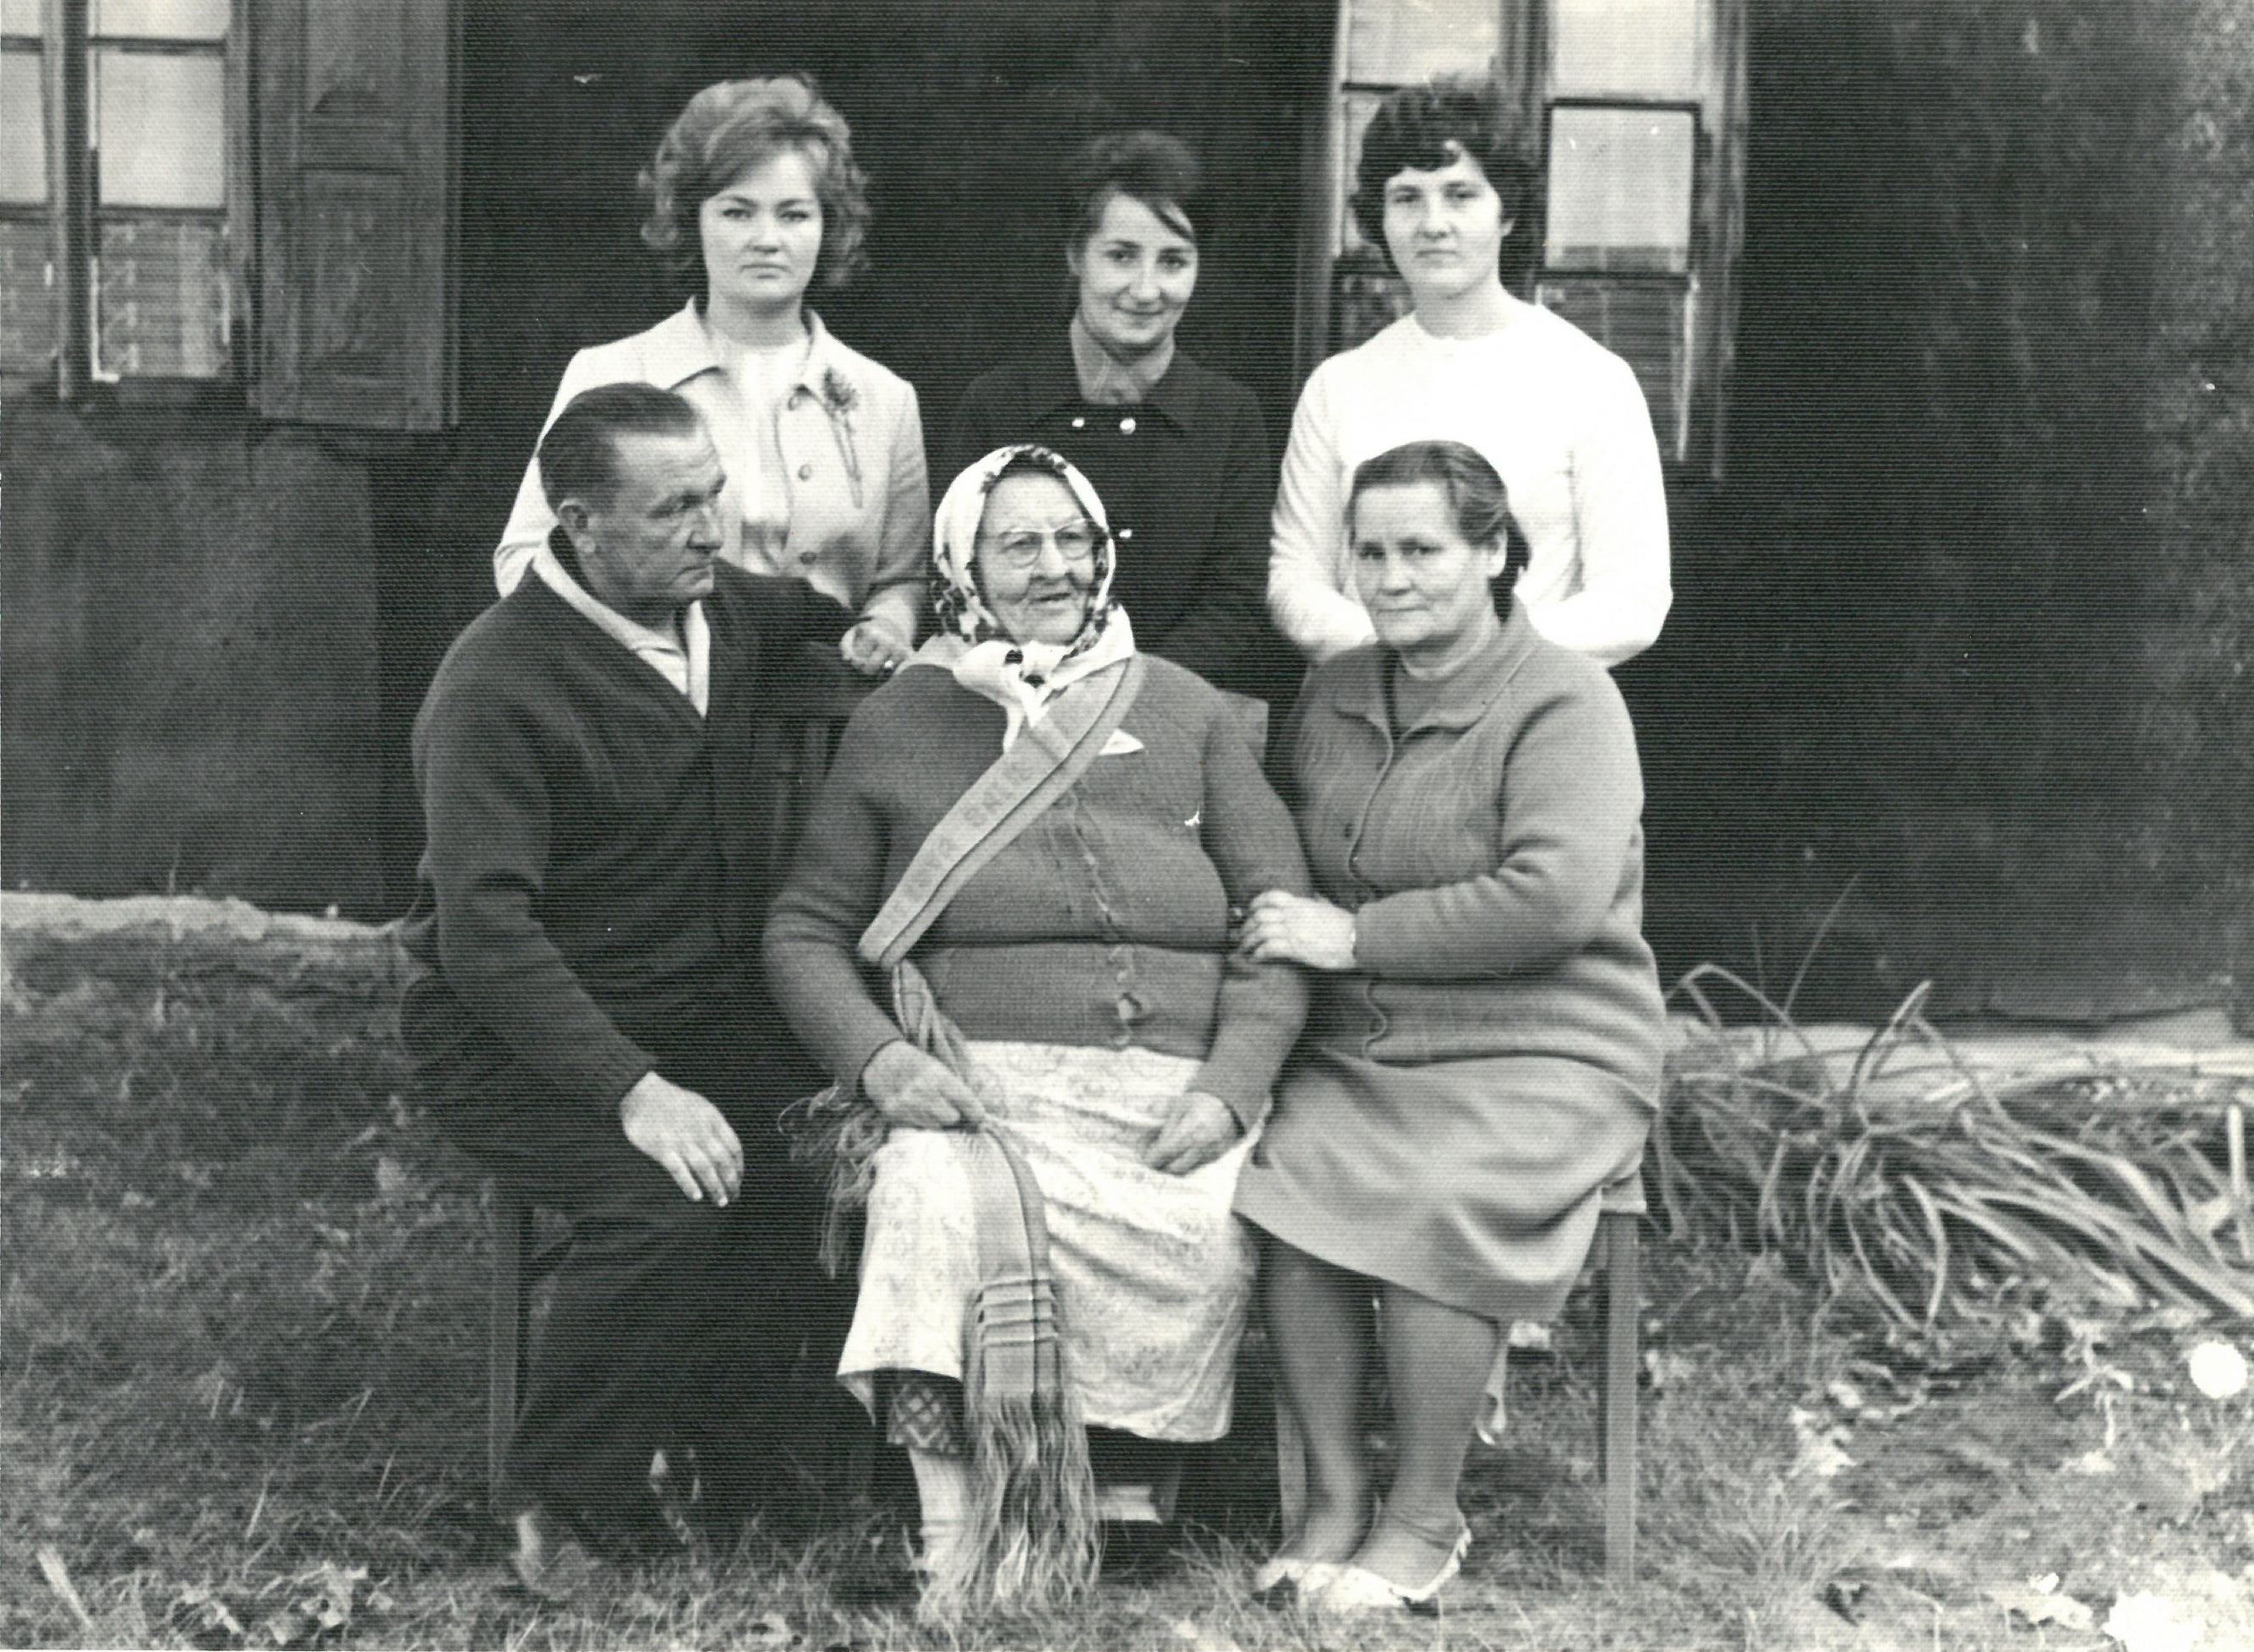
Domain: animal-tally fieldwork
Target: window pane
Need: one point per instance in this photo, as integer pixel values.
(1396, 42)
(1626, 48)
(1647, 325)
(23, 131)
(1620, 190)
(160, 299)
(162, 118)
(22, 17)
(27, 301)
(159, 19)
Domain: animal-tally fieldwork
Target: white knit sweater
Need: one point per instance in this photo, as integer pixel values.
(1561, 417)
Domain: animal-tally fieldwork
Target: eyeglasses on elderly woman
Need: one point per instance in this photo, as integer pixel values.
(1020, 548)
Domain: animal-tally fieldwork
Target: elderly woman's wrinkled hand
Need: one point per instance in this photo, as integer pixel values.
(1198, 1130)
(1282, 927)
(918, 1091)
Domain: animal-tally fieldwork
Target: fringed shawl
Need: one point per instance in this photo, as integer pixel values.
(1034, 1521)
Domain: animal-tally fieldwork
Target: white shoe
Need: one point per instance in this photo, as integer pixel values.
(1279, 1570)
(1349, 1590)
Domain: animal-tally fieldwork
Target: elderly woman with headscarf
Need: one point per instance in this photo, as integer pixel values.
(1008, 934)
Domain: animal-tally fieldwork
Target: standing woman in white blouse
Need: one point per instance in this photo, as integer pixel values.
(1442, 187)
(753, 194)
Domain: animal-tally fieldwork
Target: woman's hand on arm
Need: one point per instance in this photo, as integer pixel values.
(1282, 927)
(1200, 1129)
(920, 1091)
(873, 648)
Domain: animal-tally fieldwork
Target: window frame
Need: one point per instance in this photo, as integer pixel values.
(75, 217)
(1683, 277)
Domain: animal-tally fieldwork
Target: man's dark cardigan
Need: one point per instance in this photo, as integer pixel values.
(590, 893)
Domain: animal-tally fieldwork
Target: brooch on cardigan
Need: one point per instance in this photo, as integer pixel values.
(839, 398)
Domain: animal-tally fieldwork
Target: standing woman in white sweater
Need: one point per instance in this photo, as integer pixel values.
(753, 197)
(1441, 186)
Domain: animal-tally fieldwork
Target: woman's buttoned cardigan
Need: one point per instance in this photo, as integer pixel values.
(1493, 856)
(1104, 923)
(852, 436)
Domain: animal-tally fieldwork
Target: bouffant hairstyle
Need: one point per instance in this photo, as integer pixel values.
(1155, 168)
(729, 128)
(578, 456)
(1473, 488)
(1420, 127)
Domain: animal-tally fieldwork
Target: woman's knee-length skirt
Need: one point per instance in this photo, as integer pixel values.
(1475, 1183)
(1153, 1271)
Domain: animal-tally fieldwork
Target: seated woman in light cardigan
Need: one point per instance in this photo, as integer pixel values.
(1482, 1053)
(753, 194)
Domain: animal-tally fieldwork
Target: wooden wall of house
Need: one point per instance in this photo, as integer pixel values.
(1971, 624)
(190, 656)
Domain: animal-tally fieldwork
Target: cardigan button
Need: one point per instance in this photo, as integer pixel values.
(1127, 426)
(1080, 423)
(805, 472)
(806, 556)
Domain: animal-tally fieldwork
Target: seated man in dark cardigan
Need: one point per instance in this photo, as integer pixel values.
(583, 1007)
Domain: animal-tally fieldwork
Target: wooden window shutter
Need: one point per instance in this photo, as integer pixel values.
(357, 207)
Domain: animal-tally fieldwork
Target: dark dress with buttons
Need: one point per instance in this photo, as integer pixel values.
(1187, 482)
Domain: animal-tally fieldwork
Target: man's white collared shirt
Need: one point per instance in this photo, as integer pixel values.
(683, 656)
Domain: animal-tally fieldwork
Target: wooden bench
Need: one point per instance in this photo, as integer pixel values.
(1615, 1256)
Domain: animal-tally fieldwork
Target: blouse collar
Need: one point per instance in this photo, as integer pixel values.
(1456, 700)
(1105, 380)
(678, 348)
(1052, 384)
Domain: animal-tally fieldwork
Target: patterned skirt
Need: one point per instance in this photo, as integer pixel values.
(1153, 1272)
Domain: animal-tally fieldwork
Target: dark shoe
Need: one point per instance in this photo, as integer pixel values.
(548, 1559)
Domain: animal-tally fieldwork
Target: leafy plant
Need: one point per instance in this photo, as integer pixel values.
(1941, 1190)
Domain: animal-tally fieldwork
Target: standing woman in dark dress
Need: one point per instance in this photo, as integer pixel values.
(1178, 452)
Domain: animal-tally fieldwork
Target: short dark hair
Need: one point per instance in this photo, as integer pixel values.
(728, 128)
(1473, 488)
(1155, 168)
(1415, 128)
(580, 455)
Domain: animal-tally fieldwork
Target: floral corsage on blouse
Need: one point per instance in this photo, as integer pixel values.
(839, 398)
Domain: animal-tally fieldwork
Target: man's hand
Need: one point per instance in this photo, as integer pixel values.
(686, 1135)
(1200, 1129)
(918, 1091)
(872, 648)
(1281, 927)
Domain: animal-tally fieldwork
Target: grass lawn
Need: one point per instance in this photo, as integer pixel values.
(242, 1393)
